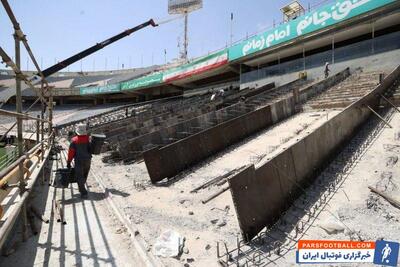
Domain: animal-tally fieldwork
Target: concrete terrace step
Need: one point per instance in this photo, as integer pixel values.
(345, 93)
(173, 133)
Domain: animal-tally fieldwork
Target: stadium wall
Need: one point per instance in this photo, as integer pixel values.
(328, 15)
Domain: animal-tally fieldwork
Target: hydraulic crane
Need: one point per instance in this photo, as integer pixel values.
(65, 63)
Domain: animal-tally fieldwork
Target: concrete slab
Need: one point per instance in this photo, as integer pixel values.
(92, 236)
(153, 209)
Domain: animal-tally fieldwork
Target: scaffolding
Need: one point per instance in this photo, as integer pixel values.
(21, 175)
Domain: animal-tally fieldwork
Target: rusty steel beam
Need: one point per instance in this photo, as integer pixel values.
(21, 35)
(379, 116)
(8, 61)
(390, 103)
(14, 211)
(271, 188)
(170, 160)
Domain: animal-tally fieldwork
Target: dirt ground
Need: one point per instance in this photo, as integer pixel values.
(156, 208)
(356, 213)
(152, 209)
(91, 235)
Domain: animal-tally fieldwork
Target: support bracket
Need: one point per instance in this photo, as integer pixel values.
(379, 116)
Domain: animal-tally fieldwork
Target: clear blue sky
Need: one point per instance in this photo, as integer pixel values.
(56, 29)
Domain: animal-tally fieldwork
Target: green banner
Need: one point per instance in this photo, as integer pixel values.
(111, 88)
(148, 80)
(325, 16)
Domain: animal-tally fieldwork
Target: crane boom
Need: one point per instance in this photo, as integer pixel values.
(61, 65)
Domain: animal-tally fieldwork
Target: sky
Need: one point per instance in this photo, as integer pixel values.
(57, 29)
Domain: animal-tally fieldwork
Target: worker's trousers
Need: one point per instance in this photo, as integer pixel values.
(82, 168)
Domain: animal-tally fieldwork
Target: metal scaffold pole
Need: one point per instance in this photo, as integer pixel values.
(50, 90)
(19, 132)
(186, 41)
(42, 127)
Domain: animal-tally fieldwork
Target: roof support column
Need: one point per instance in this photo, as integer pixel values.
(240, 74)
(373, 37)
(279, 62)
(333, 48)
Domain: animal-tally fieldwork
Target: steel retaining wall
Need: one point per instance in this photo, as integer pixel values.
(171, 159)
(134, 127)
(131, 148)
(260, 194)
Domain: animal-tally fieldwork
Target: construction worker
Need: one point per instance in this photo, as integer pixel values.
(79, 150)
(327, 70)
(218, 93)
(221, 93)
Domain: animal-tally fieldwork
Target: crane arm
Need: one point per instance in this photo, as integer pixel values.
(61, 65)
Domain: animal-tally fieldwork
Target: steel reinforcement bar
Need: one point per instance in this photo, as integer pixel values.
(32, 168)
(276, 242)
(270, 188)
(170, 160)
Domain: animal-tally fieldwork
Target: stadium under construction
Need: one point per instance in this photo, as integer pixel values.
(229, 159)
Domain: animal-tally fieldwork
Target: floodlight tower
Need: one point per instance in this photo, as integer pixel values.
(292, 11)
(184, 7)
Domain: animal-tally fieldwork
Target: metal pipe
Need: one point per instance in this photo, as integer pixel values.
(379, 116)
(19, 111)
(9, 169)
(19, 164)
(42, 123)
(10, 14)
(61, 65)
(37, 130)
(60, 211)
(215, 195)
(8, 61)
(33, 149)
(56, 211)
(21, 36)
(390, 102)
(391, 200)
(5, 171)
(21, 170)
(8, 224)
(26, 173)
(50, 110)
(15, 123)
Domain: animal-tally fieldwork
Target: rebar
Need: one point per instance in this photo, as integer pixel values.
(314, 200)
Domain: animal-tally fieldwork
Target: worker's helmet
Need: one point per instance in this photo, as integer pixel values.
(81, 129)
